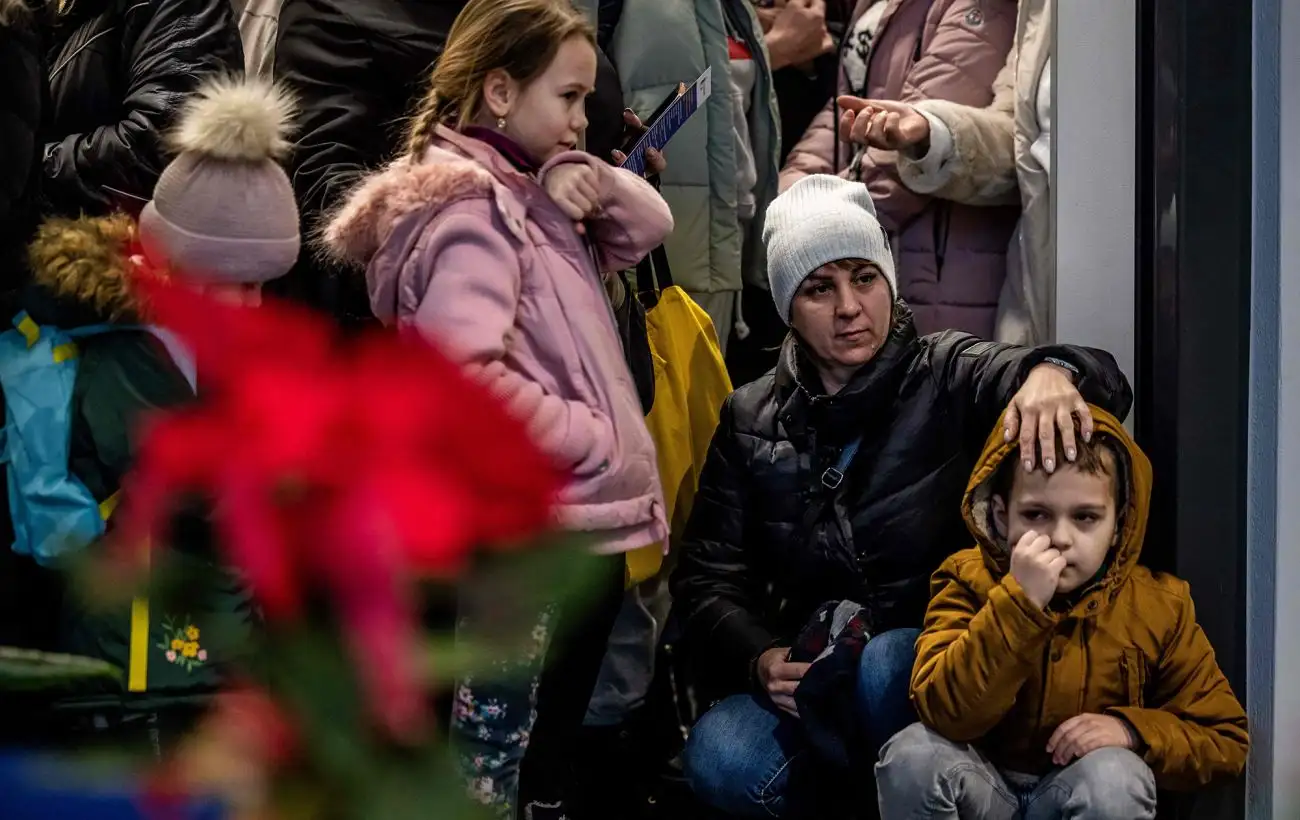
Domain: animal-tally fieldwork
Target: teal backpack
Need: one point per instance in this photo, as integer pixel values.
(53, 512)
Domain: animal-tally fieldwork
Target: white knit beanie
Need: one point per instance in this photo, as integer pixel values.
(818, 220)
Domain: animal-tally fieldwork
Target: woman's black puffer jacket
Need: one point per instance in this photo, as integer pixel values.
(751, 575)
(22, 65)
(119, 72)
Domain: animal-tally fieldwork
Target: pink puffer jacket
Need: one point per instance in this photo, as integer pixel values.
(952, 259)
(478, 257)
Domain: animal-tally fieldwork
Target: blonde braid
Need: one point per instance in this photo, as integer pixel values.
(423, 124)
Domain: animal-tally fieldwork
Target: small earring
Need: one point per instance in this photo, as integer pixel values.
(501, 123)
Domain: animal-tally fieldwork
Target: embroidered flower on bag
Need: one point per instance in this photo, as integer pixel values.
(180, 643)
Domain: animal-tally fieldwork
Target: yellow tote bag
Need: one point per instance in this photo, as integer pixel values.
(691, 382)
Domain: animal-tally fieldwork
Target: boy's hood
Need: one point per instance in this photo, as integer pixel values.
(81, 271)
(1135, 477)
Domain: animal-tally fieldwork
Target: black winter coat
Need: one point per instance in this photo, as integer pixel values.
(22, 65)
(359, 68)
(750, 575)
(119, 72)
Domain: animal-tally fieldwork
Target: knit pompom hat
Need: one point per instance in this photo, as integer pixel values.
(818, 220)
(223, 210)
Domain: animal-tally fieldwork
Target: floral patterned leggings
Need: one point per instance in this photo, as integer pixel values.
(492, 718)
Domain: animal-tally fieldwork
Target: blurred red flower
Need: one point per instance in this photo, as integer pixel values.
(343, 464)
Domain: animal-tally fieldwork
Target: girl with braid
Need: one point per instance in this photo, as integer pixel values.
(489, 236)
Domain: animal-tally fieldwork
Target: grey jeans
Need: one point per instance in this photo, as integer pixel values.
(921, 774)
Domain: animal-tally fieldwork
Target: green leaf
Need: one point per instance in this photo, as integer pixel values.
(27, 669)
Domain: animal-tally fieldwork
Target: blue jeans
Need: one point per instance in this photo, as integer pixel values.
(747, 758)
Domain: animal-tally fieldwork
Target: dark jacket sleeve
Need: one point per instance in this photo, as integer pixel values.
(716, 589)
(330, 62)
(167, 55)
(983, 377)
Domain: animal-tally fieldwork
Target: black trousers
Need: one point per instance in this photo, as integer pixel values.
(573, 662)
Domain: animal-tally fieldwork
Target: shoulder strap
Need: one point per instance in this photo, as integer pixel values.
(179, 353)
(652, 276)
(831, 479)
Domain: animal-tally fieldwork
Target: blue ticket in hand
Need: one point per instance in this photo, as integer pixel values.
(673, 116)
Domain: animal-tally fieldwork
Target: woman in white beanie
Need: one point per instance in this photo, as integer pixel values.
(839, 476)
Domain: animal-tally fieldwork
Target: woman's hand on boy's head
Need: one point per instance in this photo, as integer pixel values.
(1047, 401)
(1084, 734)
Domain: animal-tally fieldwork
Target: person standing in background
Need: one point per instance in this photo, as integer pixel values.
(992, 156)
(805, 40)
(717, 195)
(356, 66)
(119, 73)
(951, 258)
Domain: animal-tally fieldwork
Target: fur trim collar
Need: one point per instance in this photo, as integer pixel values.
(356, 231)
(87, 260)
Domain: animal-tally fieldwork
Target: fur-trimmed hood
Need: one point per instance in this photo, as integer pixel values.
(81, 270)
(355, 232)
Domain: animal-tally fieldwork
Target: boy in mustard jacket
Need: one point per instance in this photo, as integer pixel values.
(1059, 679)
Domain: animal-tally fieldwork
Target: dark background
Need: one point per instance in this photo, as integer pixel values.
(1193, 301)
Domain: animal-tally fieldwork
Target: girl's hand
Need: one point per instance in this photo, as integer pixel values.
(574, 187)
(1047, 402)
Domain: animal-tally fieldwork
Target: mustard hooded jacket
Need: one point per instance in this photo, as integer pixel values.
(994, 670)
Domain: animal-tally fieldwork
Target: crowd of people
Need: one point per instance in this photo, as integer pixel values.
(853, 229)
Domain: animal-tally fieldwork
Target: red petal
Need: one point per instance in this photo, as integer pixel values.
(258, 542)
(362, 564)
